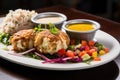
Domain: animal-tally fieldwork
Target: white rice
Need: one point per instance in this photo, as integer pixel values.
(17, 20)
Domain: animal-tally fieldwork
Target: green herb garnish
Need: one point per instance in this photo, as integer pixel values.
(38, 28)
(99, 46)
(53, 29)
(4, 38)
(32, 55)
(71, 47)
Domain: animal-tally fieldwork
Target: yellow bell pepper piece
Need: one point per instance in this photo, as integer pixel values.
(101, 52)
(94, 54)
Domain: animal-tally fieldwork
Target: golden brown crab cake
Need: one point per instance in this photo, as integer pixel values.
(48, 43)
(23, 40)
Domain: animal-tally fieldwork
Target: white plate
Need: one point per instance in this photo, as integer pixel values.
(100, 36)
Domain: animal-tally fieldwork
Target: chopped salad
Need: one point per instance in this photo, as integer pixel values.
(78, 51)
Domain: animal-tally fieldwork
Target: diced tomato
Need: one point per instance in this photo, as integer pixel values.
(106, 50)
(70, 53)
(91, 43)
(61, 52)
(84, 43)
(72, 41)
(87, 48)
(96, 49)
(97, 59)
(91, 51)
(81, 53)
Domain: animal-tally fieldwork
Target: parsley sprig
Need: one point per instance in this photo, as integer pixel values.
(38, 28)
(53, 29)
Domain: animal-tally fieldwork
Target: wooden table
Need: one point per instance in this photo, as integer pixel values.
(109, 71)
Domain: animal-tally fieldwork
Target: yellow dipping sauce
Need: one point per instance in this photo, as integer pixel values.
(81, 26)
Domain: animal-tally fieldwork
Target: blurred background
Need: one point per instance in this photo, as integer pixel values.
(105, 8)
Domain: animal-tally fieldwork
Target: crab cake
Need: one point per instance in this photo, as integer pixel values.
(23, 40)
(48, 43)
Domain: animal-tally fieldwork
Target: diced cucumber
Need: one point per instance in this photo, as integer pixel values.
(85, 57)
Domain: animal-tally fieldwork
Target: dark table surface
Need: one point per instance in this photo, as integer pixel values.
(109, 71)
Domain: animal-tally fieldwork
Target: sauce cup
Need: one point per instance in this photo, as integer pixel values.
(49, 17)
(81, 35)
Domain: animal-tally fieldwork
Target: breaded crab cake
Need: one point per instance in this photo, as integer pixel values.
(23, 40)
(48, 43)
